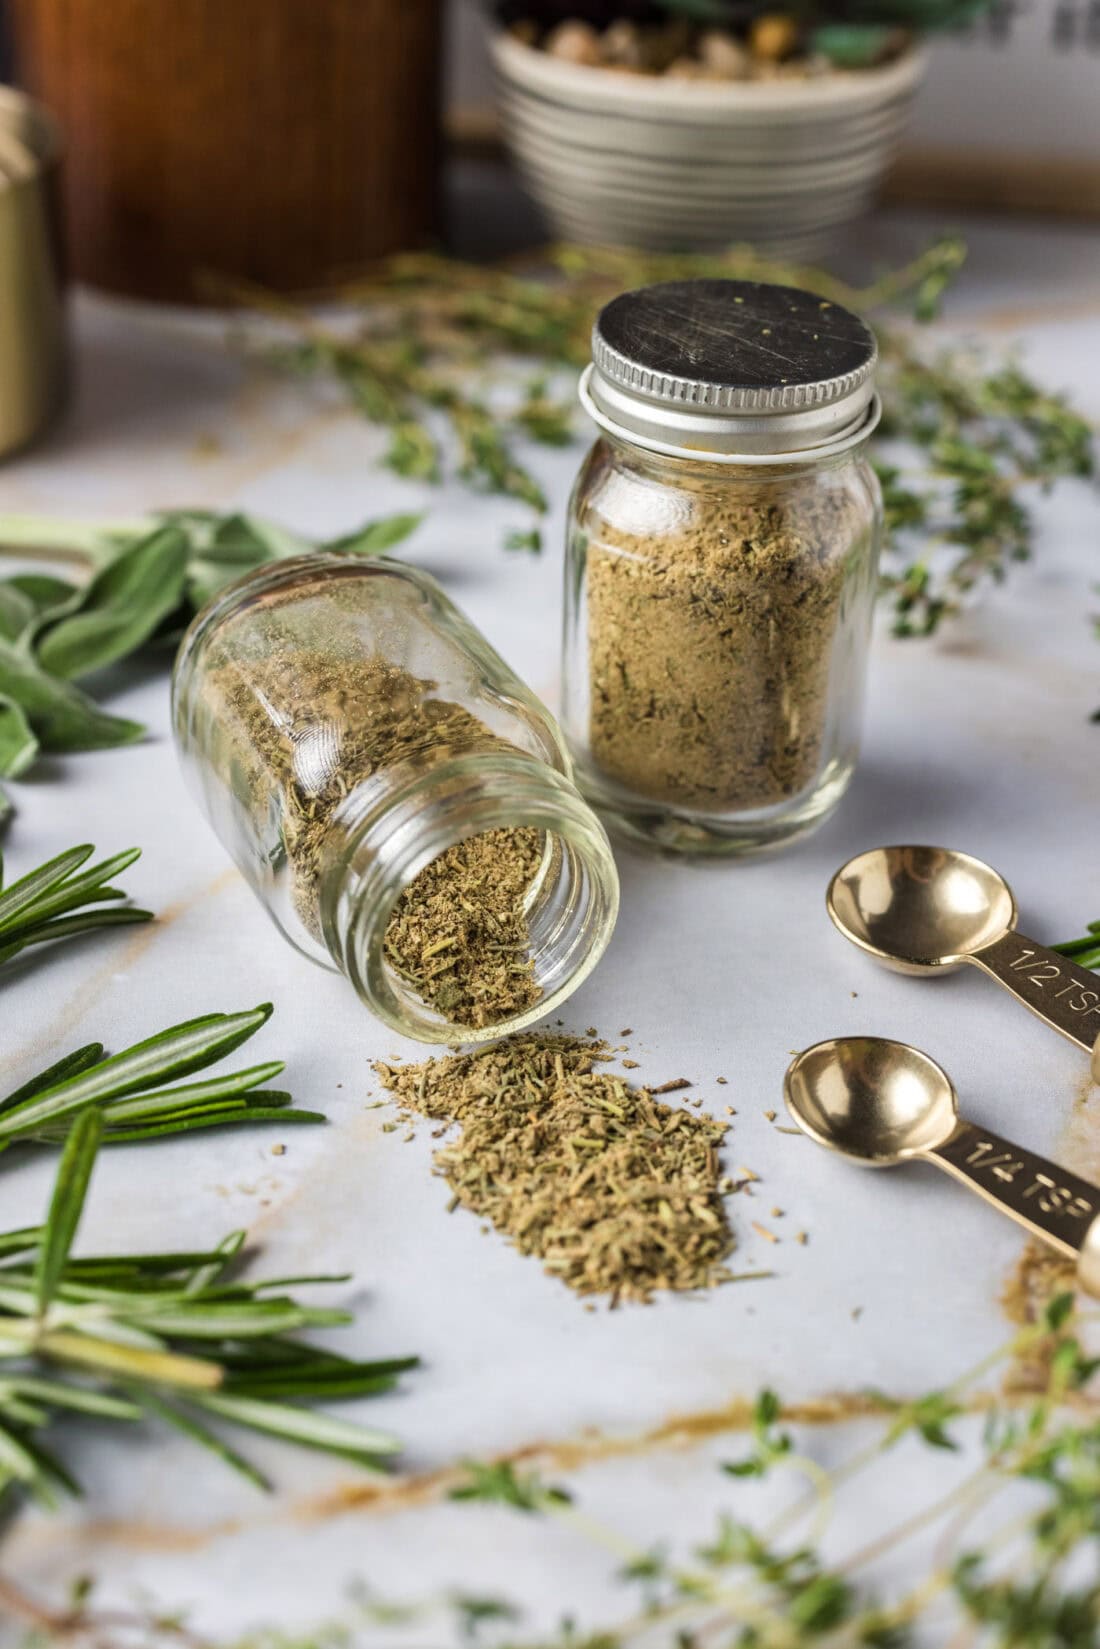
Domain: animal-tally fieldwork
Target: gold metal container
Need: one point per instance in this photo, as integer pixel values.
(32, 312)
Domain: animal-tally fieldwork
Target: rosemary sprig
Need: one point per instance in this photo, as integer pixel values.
(55, 902)
(173, 1336)
(136, 1094)
(1086, 950)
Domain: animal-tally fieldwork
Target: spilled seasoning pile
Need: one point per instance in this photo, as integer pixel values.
(617, 1193)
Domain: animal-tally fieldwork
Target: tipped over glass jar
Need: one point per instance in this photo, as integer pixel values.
(721, 563)
(400, 801)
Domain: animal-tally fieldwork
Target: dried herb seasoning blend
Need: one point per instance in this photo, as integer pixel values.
(721, 563)
(400, 801)
(617, 1193)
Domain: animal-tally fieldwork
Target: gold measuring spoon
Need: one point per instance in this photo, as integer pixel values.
(882, 1103)
(920, 909)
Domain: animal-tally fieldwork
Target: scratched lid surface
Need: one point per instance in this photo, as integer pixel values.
(730, 367)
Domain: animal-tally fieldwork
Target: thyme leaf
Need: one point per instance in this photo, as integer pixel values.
(780, 1584)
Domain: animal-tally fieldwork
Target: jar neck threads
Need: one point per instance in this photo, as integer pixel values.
(392, 826)
(744, 441)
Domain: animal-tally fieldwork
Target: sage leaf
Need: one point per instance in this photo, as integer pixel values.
(18, 745)
(17, 611)
(121, 608)
(374, 537)
(231, 546)
(67, 1204)
(45, 593)
(63, 718)
(34, 600)
(247, 540)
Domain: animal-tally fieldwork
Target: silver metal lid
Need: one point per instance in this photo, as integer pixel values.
(732, 370)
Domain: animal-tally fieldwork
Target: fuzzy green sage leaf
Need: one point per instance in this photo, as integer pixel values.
(121, 608)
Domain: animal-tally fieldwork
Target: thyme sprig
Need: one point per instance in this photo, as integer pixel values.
(772, 1588)
(59, 899)
(423, 331)
(176, 1336)
(986, 435)
(137, 1093)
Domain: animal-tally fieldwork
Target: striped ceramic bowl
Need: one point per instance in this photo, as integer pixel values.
(633, 160)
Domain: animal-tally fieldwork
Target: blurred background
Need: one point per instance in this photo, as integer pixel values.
(290, 143)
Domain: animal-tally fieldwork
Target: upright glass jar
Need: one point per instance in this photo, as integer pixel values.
(369, 760)
(721, 563)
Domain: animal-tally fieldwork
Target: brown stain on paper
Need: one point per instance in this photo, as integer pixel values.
(678, 1431)
(398, 1494)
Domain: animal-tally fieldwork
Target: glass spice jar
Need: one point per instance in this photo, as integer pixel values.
(721, 563)
(401, 803)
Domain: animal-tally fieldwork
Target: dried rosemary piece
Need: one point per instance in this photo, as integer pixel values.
(615, 1192)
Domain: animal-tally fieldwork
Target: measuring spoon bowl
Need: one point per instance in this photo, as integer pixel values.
(920, 908)
(923, 910)
(880, 1102)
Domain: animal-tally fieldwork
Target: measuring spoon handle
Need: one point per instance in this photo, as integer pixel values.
(1052, 986)
(1053, 1204)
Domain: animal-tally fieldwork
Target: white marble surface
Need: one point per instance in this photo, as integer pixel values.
(980, 739)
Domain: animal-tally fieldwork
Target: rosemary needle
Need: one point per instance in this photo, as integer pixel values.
(136, 1093)
(60, 899)
(176, 1336)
